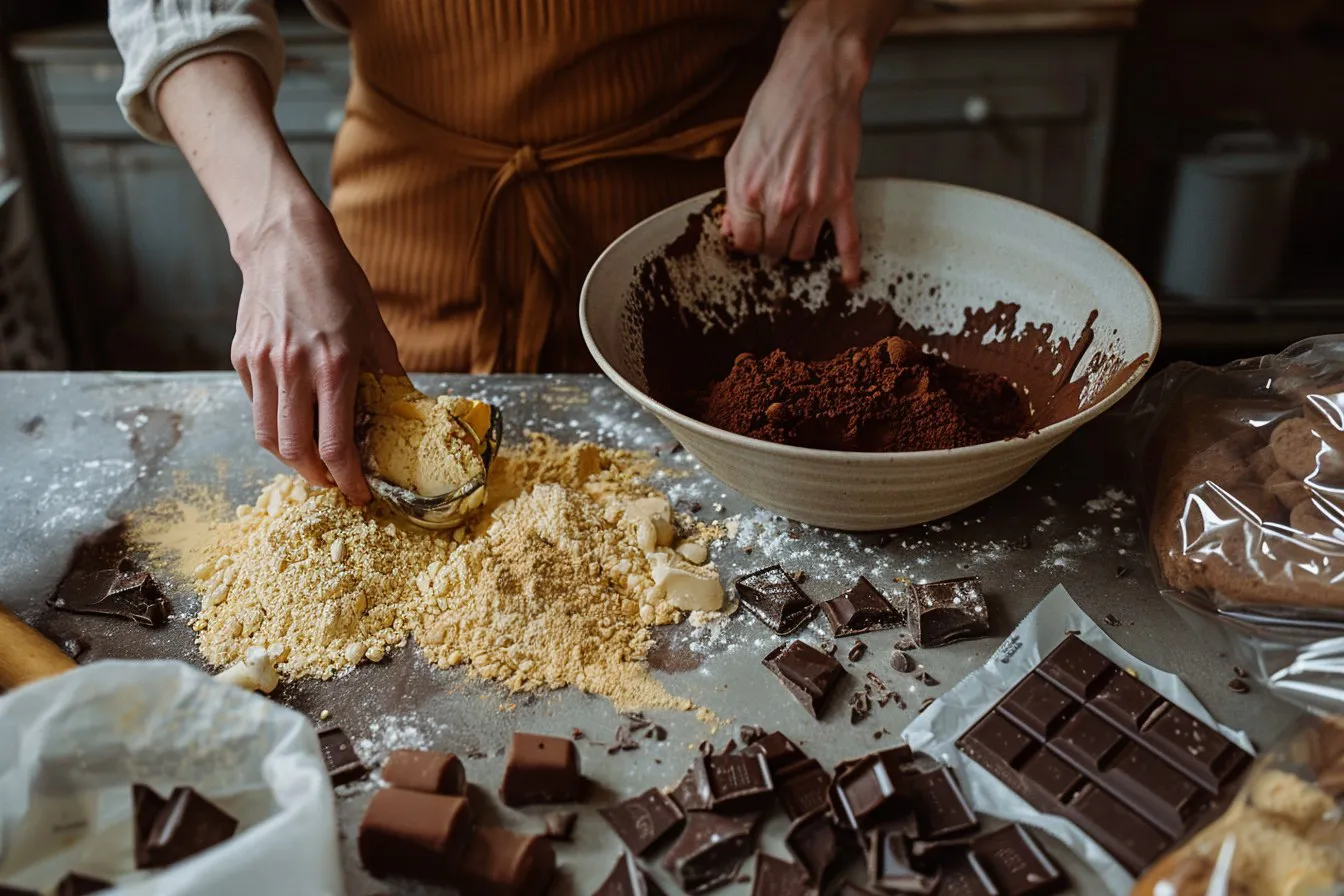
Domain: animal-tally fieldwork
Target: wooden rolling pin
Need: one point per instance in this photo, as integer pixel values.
(25, 654)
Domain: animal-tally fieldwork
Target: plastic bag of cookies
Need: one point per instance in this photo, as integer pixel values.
(1241, 471)
(1283, 834)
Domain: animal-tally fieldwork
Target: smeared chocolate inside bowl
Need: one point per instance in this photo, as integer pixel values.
(698, 309)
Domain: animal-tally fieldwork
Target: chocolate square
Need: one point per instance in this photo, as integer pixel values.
(628, 879)
(947, 611)
(343, 765)
(710, 851)
(187, 825)
(540, 769)
(807, 673)
(774, 597)
(861, 609)
(776, 877)
(643, 820)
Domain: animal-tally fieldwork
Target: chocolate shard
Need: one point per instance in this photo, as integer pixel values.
(804, 789)
(1017, 864)
(902, 661)
(502, 862)
(777, 877)
(74, 884)
(339, 754)
(890, 867)
(1081, 738)
(540, 769)
(964, 874)
(947, 611)
(643, 820)
(781, 754)
(146, 806)
(872, 788)
(687, 794)
(710, 851)
(939, 806)
(427, 771)
(861, 609)
(560, 825)
(187, 824)
(628, 879)
(409, 833)
(126, 593)
(773, 597)
(807, 673)
(734, 782)
(815, 843)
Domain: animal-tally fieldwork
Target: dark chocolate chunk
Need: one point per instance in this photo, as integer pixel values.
(774, 597)
(15, 891)
(628, 879)
(807, 673)
(710, 851)
(687, 794)
(1239, 686)
(656, 732)
(75, 647)
(927, 680)
(1111, 619)
(857, 651)
(939, 806)
(861, 609)
(781, 754)
(540, 769)
(872, 789)
(860, 705)
(904, 641)
(409, 833)
(125, 592)
(560, 825)
(776, 877)
(734, 782)
(902, 661)
(1240, 672)
(338, 753)
(889, 865)
(1081, 738)
(146, 805)
(503, 863)
(1121, 572)
(943, 612)
(643, 820)
(1017, 864)
(637, 721)
(187, 824)
(814, 842)
(427, 771)
(804, 790)
(80, 885)
(622, 742)
(964, 874)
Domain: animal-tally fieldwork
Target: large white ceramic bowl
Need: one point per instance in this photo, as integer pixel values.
(931, 251)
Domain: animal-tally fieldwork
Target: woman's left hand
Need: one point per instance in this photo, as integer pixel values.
(793, 164)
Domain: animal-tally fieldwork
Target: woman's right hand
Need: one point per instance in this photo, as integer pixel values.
(307, 325)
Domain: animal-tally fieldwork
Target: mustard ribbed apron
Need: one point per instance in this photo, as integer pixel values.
(491, 150)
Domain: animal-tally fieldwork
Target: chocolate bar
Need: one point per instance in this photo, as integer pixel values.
(502, 863)
(776, 877)
(338, 753)
(540, 769)
(774, 597)
(733, 782)
(710, 851)
(409, 833)
(807, 673)
(123, 592)
(643, 820)
(814, 842)
(804, 789)
(187, 824)
(861, 609)
(1081, 738)
(80, 885)
(628, 879)
(426, 771)
(947, 611)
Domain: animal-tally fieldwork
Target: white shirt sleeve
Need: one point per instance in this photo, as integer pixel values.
(156, 37)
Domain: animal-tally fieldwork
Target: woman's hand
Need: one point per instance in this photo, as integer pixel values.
(793, 164)
(307, 324)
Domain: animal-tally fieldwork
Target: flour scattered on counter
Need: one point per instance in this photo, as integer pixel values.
(1113, 501)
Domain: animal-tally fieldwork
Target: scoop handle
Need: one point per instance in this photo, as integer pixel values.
(26, 654)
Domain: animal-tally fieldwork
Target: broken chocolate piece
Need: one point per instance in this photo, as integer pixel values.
(1240, 672)
(857, 651)
(1017, 864)
(781, 754)
(902, 661)
(622, 742)
(503, 863)
(776, 877)
(963, 873)
(1111, 619)
(860, 705)
(426, 771)
(734, 782)
(807, 673)
(409, 833)
(927, 680)
(637, 721)
(774, 597)
(187, 824)
(710, 852)
(940, 807)
(540, 769)
(749, 734)
(560, 825)
(890, 867)
(80, 885)
(861, 609)
(1238, 686)
(947, 611)
(813, 841)
(643, 820)
(146, 805)
(655, 732)
(15, 891)
(687, 794)
(804, 789)
(628, 879)
(338, 753)
(125, 593)
(872, 788)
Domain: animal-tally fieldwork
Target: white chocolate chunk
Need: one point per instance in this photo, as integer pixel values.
(255, 672)
(687, 587)
(693, 552)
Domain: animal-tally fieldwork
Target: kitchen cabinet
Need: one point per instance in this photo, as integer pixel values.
(1025, 114)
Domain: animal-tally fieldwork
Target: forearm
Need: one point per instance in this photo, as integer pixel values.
(853, 28)
(218, 110)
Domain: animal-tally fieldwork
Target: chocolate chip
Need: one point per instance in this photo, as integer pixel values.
(928, 701)
(656, 732)
(927, 679)
(857, 651)
(623, 743)
(1110, 619)
(1238, 686)
(577, 734)
(1240, 672)
(901, 661)
(860, 705)
(637, 722)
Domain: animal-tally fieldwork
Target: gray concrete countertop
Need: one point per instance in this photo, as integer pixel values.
(77, 451)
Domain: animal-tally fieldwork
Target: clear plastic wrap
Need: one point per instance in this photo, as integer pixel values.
(1241, 474)
(1283, 835)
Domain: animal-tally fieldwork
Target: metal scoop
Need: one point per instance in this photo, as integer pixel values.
(455, 507)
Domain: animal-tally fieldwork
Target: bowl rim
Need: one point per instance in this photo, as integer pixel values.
(1050, 433)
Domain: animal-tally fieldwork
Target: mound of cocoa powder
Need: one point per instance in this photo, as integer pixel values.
(890, 396)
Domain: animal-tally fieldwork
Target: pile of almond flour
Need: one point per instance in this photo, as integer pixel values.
(555, 583)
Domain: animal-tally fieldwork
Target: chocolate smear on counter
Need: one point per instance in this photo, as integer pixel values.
(947, 611)
(643, 820)
(777, 877)
(710, 851)
(628, 879)
(859, 610)
(807, 673)
(338, 753)
(856, 652)
(560, 825)
(1238, 686)
(123, 592)
(901, 661)
(773, 596)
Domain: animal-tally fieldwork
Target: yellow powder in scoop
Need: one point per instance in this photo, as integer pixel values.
(419, 443)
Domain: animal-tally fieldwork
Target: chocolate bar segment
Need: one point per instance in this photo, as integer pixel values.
(942, 612)
(870, 790)
(1082, 738)
(643, 820)
(146, 805)
(710, 851)
(861, 609)
(776, 877)
(1017, 864)
(187, 824)
(774, 597)
(733, 782)
(940, 808)
(540, 769)
(807, 673)
(338, 753)
(814, 842)
(426, 771)
(890, 867)
(781, 754)
(804, 790)
(628, 879)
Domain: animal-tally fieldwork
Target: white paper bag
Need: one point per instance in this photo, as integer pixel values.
(72, 745)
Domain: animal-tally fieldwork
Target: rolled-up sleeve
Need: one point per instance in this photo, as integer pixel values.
(156, 37)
